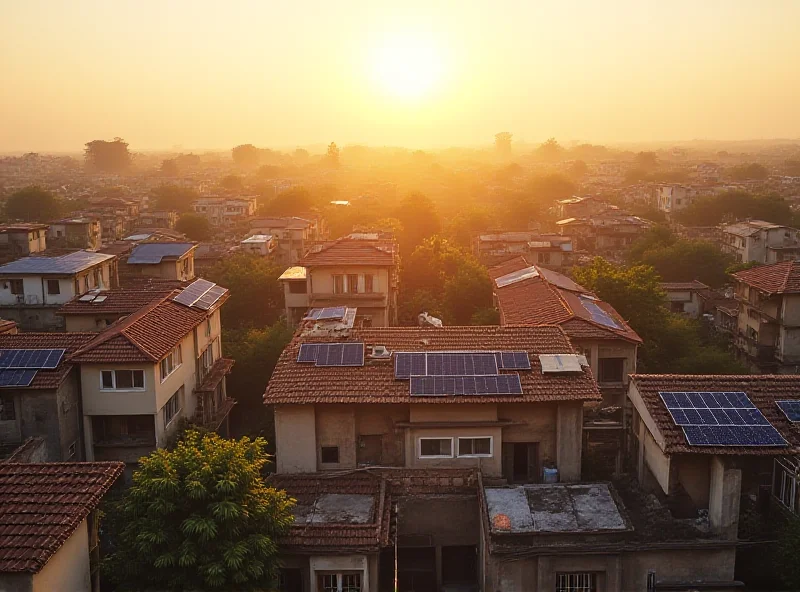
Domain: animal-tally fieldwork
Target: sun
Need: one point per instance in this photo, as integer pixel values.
(407, 66)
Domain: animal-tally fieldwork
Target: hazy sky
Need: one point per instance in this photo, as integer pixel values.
(282, 73)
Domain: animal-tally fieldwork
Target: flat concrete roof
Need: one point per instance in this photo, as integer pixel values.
(336, 508)
(556, 508)
(294, 273)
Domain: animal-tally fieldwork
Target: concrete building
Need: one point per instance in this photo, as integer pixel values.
(357, 273)
(767, 335)
(21, 240)
(532, 295)
(141, 375)
(689, 298)
(157, 219)
(763, 242)
(580, 207)
(49, 525)
(293, 235)
(295, 294)
(48, 406)
(80, 232)
(262, 245)
(608, 232)
(672, 198)
(224, 212)
(554, 251)
(33, 288)
(163, 260)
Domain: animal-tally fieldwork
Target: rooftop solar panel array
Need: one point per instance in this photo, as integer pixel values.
(332, 354)
(791, 409)
(598, 314)
(193, 292)
(502, 384)
(720, 419)
(36, 359)
(513, 360)
(12, 378)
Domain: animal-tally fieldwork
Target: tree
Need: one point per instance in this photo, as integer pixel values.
(735, 205)
(231, 182)
(502, 143)
(246, 155)
(646, 160)
(577, 170)
(169, 167)
(199, 517)
(752, 171)
(787, 552)
(174, 197)
(292, 202)
(32, 204)
(420, 219)
(332, 155)
(657, 237)
(548, 188)
(195, 226)
(256, 295)
(551, 150)
(108, 157)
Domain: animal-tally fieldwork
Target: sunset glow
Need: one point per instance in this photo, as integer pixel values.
(407, 66)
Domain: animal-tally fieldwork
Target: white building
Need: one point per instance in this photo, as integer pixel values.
(764, 242)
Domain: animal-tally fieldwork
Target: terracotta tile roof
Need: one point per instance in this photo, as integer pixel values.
(336, 534)
(47, 379)
(351, 252)
(762, 389)
(41, 505)
(120, 301)
(778, 278)
(294, 382)
(145, 336)
(552, 298)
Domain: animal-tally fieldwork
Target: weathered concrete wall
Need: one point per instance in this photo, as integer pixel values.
(694, 474)
(373, 420)
(97, 401)
(463, 412)
(441, 520)
(569, 425)
(336, 426)
(295, 439)
(10, 582)
(70, 418)
(657, 462)
(490, 465)
(68, 569)
(679, 565)
(534, 423)
(724, 497)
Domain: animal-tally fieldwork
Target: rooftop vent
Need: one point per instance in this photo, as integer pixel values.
(380, 352)
(426, 320)
(557, 363)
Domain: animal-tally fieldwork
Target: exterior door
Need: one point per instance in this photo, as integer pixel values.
(370, 450)
(521, 462)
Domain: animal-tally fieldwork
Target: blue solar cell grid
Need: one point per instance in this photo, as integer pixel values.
(513, 360)
(791, 409)
(336, 312)
(408, 364)
(598, 314)
(461, 364)
(308, 352)
(439, 386)
(12, 378)
(39, 359)
(720, 419)
(340, 354)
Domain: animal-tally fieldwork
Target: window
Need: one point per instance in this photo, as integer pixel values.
(784, 483)
(173, 406)
(297, 287)
(339, 582)
(368, 283)
(7, 410)
(610, 369)
(352, 284)
(53, 287)
(170, 363)
(329, 455)
(544, 257)
(436, 448)
(16, 287)
(122, 380)
(576, 582)
(338, 284)
(207, 357)
(475, 447)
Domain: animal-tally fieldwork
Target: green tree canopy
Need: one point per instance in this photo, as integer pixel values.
(688, 260)
(231, 182)
(108, 157)
(547, 188)
(332, 155)
(420, 219)
(646, 160)
(174, 197)
(195, 226)
(199, 517)
(752, 171)
(246, 155)
(169, 167)
(256, 295)
(550, 150)
(292, 202)
(735, 205)
(32, 204)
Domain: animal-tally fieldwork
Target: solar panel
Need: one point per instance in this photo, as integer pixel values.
(11, 378)
(193, 292)
(210, 298)
(441, 386)
(308, 352)
(408, 364)
(313, 313)
(461, 364)
(560, 363)
(513, 360)
(598, 314)
(791, 409)
(340, 354)
(336, 312)
(516, 276)
(40, 359)
(99, 299)
(720, 419)
(87, 297)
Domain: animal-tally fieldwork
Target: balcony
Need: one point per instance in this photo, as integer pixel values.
(318, 299)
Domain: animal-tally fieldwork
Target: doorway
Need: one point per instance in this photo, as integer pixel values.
(521, 462)
(460, 568)
(370, 450)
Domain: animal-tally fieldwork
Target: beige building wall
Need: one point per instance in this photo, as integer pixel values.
(295, 439)
(68, 569)
(118, 402)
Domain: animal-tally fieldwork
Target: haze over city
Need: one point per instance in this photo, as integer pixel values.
(419, 74)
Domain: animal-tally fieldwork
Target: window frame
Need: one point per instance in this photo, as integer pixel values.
(421, 456)
(17, 282)
(177, 400)
(352, 289)
(50, 284)
(338, 278)
(339, 577)
(592, 586)
(328, 462)
(369, 283)
(171, 357)
(475, 455)
(9, 412)
(114, 380)
(601, 362)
